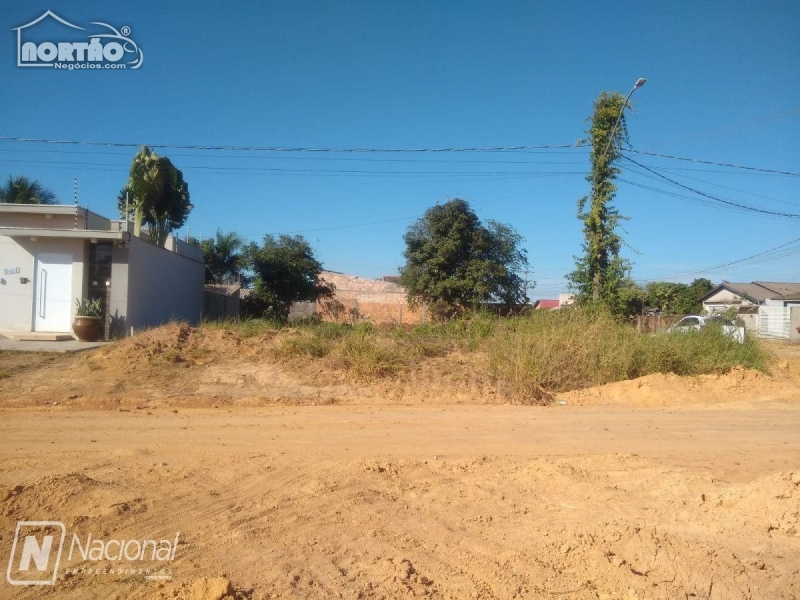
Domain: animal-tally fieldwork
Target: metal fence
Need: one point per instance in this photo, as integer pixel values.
(774, 322)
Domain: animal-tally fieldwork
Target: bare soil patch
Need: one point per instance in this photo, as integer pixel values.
(286, 479)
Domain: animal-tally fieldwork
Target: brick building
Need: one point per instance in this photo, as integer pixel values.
(380, 301)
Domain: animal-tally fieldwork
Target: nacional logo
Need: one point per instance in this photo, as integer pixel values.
(38, 546)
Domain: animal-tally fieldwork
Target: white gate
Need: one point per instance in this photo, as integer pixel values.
(773, 322)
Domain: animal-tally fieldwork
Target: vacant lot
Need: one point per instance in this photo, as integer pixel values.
(295, 483)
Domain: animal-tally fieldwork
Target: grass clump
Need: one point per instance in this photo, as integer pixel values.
(549, 352)
(245, 328)
(530, 357)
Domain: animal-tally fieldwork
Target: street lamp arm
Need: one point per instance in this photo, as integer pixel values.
(639, 83)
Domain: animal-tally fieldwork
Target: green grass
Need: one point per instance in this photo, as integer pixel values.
(530, 357)
(555, 351)
(243, 327)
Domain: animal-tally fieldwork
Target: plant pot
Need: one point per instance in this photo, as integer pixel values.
(87, 328)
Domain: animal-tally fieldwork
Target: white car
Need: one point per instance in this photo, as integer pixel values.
(697, 322)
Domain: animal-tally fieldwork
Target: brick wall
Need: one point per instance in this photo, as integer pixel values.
(361, 299)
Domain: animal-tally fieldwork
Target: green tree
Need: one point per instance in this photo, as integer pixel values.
(452, 257)
(664, 296)
(224, 257)
(630, 299)
(286, 271)
(22, 190)
(678, 298)
(697, 289)
(600, 271)
(156, 195)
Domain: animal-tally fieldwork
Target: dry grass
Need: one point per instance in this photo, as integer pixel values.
(530, 357)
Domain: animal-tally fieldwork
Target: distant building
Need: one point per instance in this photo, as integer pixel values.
(53, 255)
(757, 293)
(546, 304)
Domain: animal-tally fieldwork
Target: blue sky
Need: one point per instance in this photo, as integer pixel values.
(722, 85)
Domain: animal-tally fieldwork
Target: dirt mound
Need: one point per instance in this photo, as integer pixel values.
(170, 344)
(179, 365)
(661, 389)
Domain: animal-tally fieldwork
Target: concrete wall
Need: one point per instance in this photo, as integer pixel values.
(162, 286)
(794, 323)
(16, 298)
(39, 221)
(180, 247)
(221, 306)
(362, 299)
(93, 221)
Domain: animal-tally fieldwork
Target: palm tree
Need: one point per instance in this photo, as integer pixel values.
(22, 190)
(157, 196)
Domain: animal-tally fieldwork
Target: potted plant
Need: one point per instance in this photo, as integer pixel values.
(86, 324)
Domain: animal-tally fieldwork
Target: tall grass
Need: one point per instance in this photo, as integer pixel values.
(530, 357)
(555, 351)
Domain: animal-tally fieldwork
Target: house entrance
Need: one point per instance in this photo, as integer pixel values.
(53, 293)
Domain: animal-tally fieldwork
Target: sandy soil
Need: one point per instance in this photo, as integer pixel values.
(334, 491)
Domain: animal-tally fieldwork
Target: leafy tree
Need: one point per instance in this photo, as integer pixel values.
(452, 257)
(630, 299)
(22, 190)
(286, 271)
(224, 257)
(678, 298)
(156, 195)
(600, 271)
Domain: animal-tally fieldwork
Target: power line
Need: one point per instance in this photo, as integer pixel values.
(725, 186)
(734, 126)
(716, 198)
(739, 261)
(354, 225)
(500, 161)
(710, 162)
(290, 148)
(335, 171)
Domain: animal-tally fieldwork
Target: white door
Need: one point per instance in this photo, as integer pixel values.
(53, 293)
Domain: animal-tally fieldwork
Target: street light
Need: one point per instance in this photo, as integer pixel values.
(639, 83)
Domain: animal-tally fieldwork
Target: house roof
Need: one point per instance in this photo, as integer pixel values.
(781, 287)
(757, 291)
(548, 304)
(225, 290)
(84, 234)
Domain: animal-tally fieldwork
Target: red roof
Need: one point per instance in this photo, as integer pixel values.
(548, 304)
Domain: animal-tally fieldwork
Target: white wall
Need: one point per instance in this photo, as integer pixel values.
(16, 298)
(162, 286)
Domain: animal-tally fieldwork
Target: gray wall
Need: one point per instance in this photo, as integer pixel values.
(218, 307)
(162, 286)
(16, 298)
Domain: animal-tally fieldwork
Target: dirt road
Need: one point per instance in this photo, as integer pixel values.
(394, 501)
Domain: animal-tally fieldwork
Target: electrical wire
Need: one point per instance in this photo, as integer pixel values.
(766, 255)
(724, 201)
(709, 162)
(733, 126)
(290, 148)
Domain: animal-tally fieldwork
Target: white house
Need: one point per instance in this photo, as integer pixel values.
(757, 293)
(53, 255)
(768, 308)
